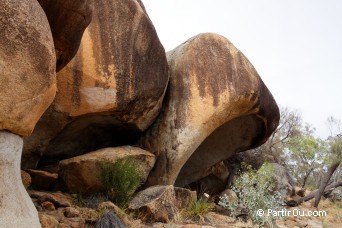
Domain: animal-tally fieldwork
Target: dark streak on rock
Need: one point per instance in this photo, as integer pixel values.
(77, 75)
(68, 20)
(140, 76)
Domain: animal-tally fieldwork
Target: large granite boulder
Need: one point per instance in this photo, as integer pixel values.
(27, 65)
(120, 69)
(111, 90)
(27, 88)
(216, 106)
(82, 174)
(68, 19)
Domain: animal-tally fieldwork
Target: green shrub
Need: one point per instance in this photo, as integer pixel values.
(255, 191)
(120, 179)
(198, 207)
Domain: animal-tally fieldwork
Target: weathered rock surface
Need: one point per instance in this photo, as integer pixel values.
(216, 106)
(283, 183)
(16, 207)
(68, 20)
(121, 67)
(58, 199)
(155, 204)
(42, 180)
(81, 172)
(161, 203)
(26, 178)
(109, 220)
(48, 221)
(27, 65)
(112, 89)
(184, 197)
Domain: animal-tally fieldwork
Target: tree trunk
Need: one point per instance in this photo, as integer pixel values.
(325, 182)
(306, 178)
(328, 189)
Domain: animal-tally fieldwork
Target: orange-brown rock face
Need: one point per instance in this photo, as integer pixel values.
(27, 65)
(115, 83)
(216, 105)
(68, 19)
(121, 67)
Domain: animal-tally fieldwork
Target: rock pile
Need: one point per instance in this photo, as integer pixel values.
(118, 95)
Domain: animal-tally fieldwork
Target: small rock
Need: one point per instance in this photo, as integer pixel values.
(42, 180)
(37, 205)
(109, 205)
(48, 221)
(90, 215)
(184, 197)
(109, 220)
(222, 210)
(26, 178)
(47, 205)
(80, 172)
(71, 212)
(57, 198)
(155, 204)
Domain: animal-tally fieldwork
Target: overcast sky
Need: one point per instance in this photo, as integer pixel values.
(295, 45)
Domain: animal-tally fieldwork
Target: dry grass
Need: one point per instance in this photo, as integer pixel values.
(334, 212)
(196, 211)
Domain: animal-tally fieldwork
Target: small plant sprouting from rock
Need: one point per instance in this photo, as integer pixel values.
(255, 191)
(120, 179)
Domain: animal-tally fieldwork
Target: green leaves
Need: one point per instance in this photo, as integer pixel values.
(255, 192)
(120, 179)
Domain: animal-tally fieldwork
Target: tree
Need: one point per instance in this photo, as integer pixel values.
(289, 126)
(306, 154)
(332, 161)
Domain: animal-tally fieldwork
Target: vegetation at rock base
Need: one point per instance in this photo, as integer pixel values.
(120, 179)
(199, 207)
(255, 191)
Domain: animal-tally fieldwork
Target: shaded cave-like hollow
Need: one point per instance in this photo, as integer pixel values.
(234, 136)
(88, 134)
